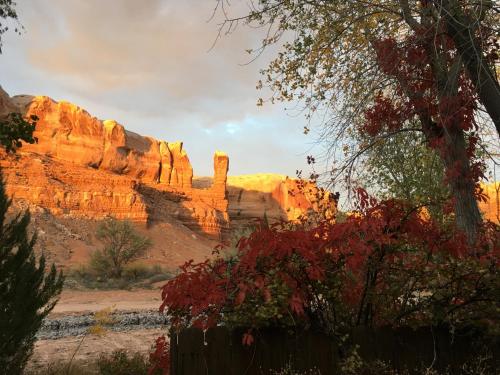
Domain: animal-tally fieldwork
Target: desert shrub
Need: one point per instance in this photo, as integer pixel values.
(122, 244)
(62, 369)
(134, 275)
(85, 277)
(140, 271)
(120, 362)
(137, 271)
(157, 277)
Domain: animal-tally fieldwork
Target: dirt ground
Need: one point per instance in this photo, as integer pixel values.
(92, 346)
(79, 302)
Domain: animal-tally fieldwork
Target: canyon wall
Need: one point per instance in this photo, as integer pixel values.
(84, 167)
(88, 168)
(271, 196)
(69, 133)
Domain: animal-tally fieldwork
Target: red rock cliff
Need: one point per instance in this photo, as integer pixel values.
(278, 197)
(85, 167)
(69, 133)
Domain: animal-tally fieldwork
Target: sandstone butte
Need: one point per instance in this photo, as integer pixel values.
(83, 167)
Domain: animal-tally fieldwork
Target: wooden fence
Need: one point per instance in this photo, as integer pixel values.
(220, 351)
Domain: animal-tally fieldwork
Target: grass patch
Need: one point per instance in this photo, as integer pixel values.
(135, 275)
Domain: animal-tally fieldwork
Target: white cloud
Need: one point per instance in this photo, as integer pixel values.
(147, 64)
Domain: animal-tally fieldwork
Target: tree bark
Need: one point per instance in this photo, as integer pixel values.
(456, 162)
(462, 185)
(454, 150)
(461, 31)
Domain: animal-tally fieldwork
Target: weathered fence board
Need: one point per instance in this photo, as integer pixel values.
(220, 351)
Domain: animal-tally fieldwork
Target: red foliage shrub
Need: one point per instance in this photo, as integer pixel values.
(160, 357)
(385, 265)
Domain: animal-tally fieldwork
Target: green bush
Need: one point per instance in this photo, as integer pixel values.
(28, 290)
(137, 271)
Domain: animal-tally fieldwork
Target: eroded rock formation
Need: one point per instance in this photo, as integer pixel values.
(6, 104)
(277, 197)
(77, 192)
(84, 167)
(88, 168)
(68, 132)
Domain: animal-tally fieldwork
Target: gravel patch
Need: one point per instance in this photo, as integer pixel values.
(75, 325)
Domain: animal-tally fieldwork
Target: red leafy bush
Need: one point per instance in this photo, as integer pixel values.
(385, 265)
(160, 357)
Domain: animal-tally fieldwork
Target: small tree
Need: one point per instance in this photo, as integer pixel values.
(122, 244)
(27, 292)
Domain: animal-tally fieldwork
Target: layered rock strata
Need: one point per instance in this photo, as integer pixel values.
(84, 167)
(79, 192)
(68, 132)
(272, 196)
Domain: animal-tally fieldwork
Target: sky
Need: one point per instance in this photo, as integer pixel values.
(150, 66)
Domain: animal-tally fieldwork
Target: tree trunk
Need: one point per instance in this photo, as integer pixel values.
(446, 76)
(461, 31)
(454, 152)
(457, 164)
(462, 186)
(458, 169)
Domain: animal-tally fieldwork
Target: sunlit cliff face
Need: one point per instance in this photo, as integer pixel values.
(85, 167)
(491, 208)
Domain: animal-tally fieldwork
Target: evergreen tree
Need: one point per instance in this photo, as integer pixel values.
(27, 292)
